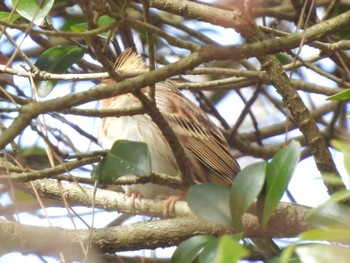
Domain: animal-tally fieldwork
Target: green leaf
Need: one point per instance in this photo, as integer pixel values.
(56, 60)
(321, 253)
(125, 158)
(230, 250)
(329, 178)
(244, 191)
(278, 259)
(70, 21)
(343, 95)
(329, 214)
(211, 202)
(6, 16)
(33, 10)
(278, 174)
(344, 147)
(102, 22)
(283, 59)
(327, 234)
(188, 250)
(287, 255)
(343, 33)
(264, 246)
(209, 252)
(21, 196)
(226, 248)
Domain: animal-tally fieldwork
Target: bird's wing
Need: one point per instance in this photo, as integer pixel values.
(196, 132)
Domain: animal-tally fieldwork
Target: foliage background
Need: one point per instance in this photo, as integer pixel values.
(264, 83)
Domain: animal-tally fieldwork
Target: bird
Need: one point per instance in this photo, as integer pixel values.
(207, 151)
(208, 154)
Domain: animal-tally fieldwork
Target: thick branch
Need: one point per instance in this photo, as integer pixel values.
(147, 235)
(289, 214)
(287, 222)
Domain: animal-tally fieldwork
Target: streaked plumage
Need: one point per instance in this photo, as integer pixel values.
(207, 151)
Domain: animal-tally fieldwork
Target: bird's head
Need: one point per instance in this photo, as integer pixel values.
(128, 61)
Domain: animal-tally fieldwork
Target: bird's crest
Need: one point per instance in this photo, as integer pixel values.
(129, 60)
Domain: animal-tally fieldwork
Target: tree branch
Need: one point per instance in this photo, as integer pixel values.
(288, 221)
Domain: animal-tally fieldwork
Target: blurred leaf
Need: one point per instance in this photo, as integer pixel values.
(330, 214)
(189, 249)
(209, 252)
(31, 10)
(226, 248)
(332, 179)
(327, 234)
(348, 115)
(230, 250)
(102, 22)
(344, 147)
(5, 16)
(35, 157)
(56, 60)
(70, 21)
(321, 253)
(264, 246)
(278, 259)
(330, 209)
(211, 202)
(343, 95)
(278, 174)
(33, 150)
(287, 254)
(244, 191)
(21, 196)
(337, 197)
(125, 158)
(283, 59)
(344, 32)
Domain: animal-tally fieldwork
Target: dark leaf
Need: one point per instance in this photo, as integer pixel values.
(56, 60)
(209, 252)
(244, 191)
(188, 250)
(211, 202)
(125, 158)
(102, 22)
(278, 174)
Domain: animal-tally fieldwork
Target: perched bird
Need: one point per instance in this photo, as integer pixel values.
(208, 154)
(207, 151)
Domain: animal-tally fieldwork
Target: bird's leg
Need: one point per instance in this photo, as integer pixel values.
(133, 196)
(169, 203)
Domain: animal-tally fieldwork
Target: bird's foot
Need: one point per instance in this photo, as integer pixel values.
(133, 196)
(169, 203)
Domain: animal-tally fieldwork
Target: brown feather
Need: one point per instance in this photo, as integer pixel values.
(197, 132)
